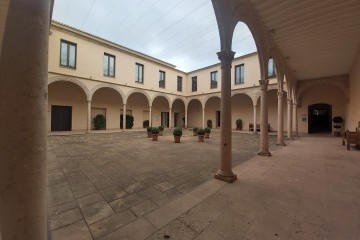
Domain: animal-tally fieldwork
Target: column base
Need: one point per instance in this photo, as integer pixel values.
(226, 177)
(281, 144)
(265, 153)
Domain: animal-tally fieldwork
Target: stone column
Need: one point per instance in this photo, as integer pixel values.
(280, 133)
(124, 117)
(225, 172)
(150, 121)
(255, 120)
(89, 117)
(23, 100)
(186, 117)
(203, 117)
(264, 123)
(170, 118)
(289, 119)
(295, 120)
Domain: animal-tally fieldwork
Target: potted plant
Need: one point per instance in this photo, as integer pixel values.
(195, 131)
(161, 130)
(337, 125)
(129, 121)
(149, 131)
(358, 127)
(155, 133)
(209, 123)
(177, 134)
(201, 135)
(239, 124)
(207, 132)
(99, 122)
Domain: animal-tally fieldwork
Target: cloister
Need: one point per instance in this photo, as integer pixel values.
(317, 66)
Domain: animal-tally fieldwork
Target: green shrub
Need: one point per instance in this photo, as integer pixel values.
(195, 129)
(129, 121)
(161, 128)
(338, 119)
(145, 123)
(201, 132)
(239, 123)
(149, 129)
(209, 123)
(99, 122)
(177, 131)
(207, 130)
(155, 130)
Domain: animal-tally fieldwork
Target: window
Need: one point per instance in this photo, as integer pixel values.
(139, 73)
(271, 68)
(161, 79)
(67, 54)
(213, 80)
(194, 84)
(109, 65)
(239, 74)
(179, 84)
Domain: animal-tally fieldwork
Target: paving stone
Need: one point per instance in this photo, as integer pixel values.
(112, 193)
(126, 202)
(90, 199)
(144, 207)
(65, 218)
(62, 207)
(60, 197)
(136, 230)
(135, 187)
(165, 197)
(76, 231)
(164, 186)
(112, 223)
(176, 230)
(96, 212)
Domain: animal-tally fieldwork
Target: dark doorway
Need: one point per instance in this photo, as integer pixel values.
(61, 118)
(165, 119)
(319, 118)
(218, 118)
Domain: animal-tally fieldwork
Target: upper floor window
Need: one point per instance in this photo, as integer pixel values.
(109, 65)
(194, 84)
(213, 79)
(161, 79)
(139, 73)
(271, 68)
(179, 84)
(67, 54)
(239, 74)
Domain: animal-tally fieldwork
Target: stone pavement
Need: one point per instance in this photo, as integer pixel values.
(124, 186)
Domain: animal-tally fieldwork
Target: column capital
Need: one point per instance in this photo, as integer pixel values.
(280, 94)
(294, 104)
(226, 57)
(264, 84)
(289, 100)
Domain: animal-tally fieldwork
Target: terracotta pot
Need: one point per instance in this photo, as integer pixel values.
(149, 134)
(201, 138)
(207, 135)
(161, 132)
(155, 137)
(177, 139)
(195, 133)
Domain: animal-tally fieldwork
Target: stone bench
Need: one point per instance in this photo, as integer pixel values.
(251, 127)
(351, 138)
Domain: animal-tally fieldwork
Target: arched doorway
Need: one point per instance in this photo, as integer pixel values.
(160, 112)
(320, 115)
(212, 111)
(138, 107)
(178, 108)
(194, 113)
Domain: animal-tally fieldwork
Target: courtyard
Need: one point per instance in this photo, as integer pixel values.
(122, 185)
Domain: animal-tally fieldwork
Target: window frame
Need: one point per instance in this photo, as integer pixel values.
(68, 44)
(273, 68)
(162, 78)
(194, 80)
(137, 67)
(241, 80)
(179, 80)
(108, 62)
(213, 80)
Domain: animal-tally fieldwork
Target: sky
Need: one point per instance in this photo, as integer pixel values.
(181, 32)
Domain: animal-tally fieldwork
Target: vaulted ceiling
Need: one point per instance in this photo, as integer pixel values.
(317, 38)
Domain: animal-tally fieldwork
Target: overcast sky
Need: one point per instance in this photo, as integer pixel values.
(181, 32)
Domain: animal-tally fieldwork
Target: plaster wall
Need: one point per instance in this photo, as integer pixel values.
(353, 109)
(139, 106)
(178, 107)
(68, 94)
(242, 108)
(211, 107)
(160, 104)
(195, 114)
(328, 94)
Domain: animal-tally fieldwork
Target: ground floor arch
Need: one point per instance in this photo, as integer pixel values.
(212, 111)
(138, 107)
(242, 108)
(107, 102)
(195, 113)
(67, 107)
(178, 109)
(161, 112)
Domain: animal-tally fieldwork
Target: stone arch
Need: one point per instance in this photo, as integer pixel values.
(178, 98)
(105, 85)
(138, 91)
(161, 95)
(210, 96)
(72, 80)
(195, 112)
